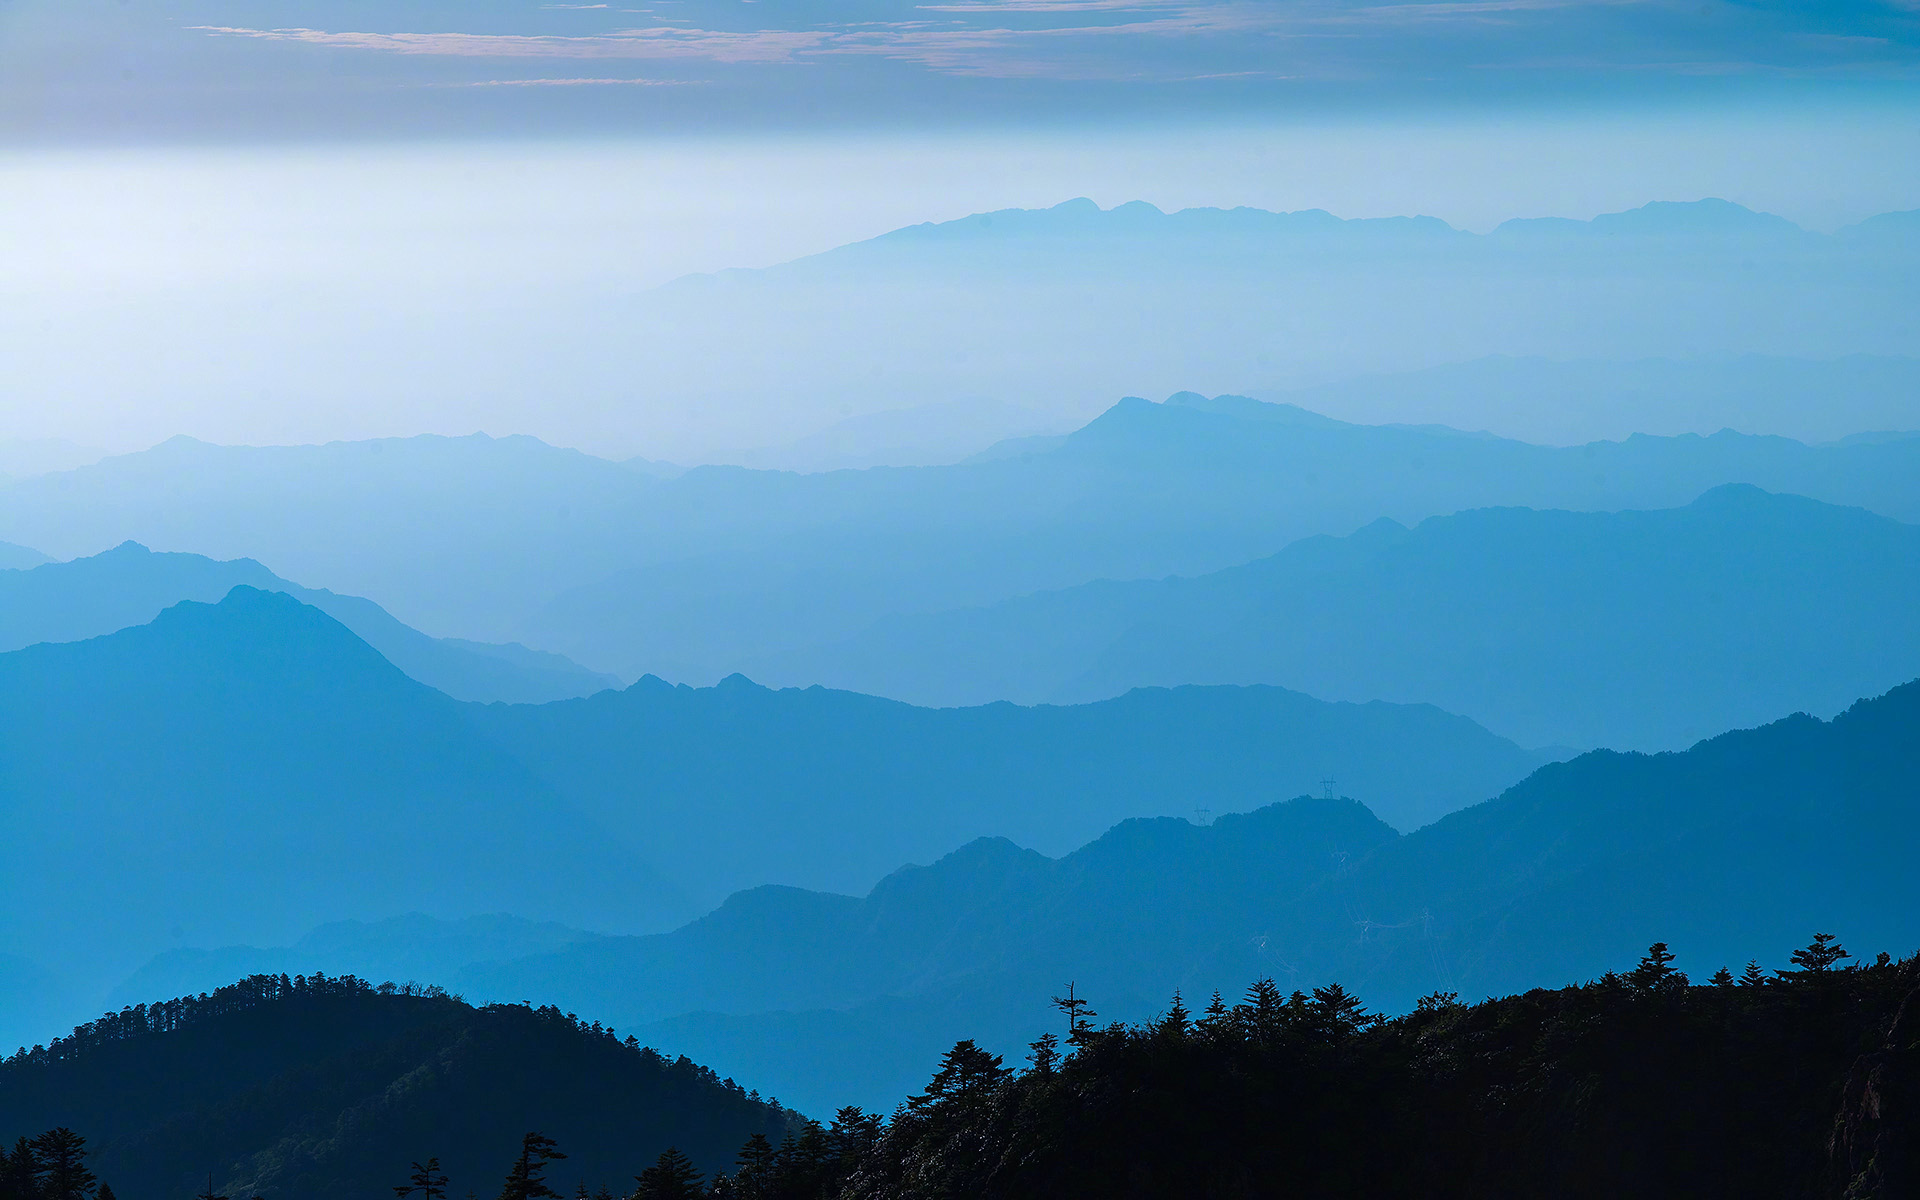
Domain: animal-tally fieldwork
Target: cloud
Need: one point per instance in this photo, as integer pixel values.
(764, 46)
(1134, 39)
(571, 83)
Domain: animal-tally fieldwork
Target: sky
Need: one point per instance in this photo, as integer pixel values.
(285, 220)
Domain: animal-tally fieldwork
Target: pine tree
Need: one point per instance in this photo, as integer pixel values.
(671, 1177)
(1819, 956)
(753, 1166)
(62, 1155)
(103, 1192)
(426, 1181)
(1077, 1012)
(1753, 976)
(967, 1076)
(1338, 1014)
(1655, 972)
(854, 1134)
(1046, 1054)
(20, 1172)
(1723, 978)
(527, 1179)
(1176, 1022)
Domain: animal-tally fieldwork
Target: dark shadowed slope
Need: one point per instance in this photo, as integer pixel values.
(241, 772)
(737, 785)
(1737, 848)
(1645, 629)
(317, 1088)
(129, 585)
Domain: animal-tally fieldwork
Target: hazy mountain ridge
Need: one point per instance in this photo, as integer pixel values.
(129, 585)
(258, 747)
(700, 575)
(1570, 403)
(1729, 850)
(1640, 629)
(1058, 309)
(241, 772)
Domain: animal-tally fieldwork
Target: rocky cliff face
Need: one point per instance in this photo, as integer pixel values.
(1875, 1147)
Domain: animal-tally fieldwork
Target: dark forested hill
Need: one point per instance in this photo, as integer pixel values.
(1731, 850)
(1797, 1086)
(317, 1088)
(129, 585)
(1632, 630)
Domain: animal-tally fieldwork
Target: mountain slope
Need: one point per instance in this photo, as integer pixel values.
(317, 1087)
(241, 772)
(1637, 629)
(1737, 848)
(738, 785)
(129, 585)
(19, 558)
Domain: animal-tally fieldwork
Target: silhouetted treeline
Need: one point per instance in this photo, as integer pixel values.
(1795, 1084)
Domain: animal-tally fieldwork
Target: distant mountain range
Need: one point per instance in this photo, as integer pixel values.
(315, 1088)
(236, 774)
(718, 569)
(1058, 309)
(130, 585)
(1633, 630)
(1738, 848)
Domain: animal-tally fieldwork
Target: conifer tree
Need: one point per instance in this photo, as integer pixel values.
(1338, 1013)
(1046, 1054)
(1655, 972)
(1819, 956)
(1723, 978)
(1175, 1023)
(426, 1181)
(1078, 1014)
(854, 1134)
(671, 1177)
(1753, 976)
(753, 1166)
(20, 1172)
(103, 1192)
(527, 1179)
(61, 1154)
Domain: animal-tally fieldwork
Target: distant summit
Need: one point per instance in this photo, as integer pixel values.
(1639, 629)
(130, 584)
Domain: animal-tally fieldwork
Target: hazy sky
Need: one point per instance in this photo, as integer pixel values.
(270, 220)
(224, 68)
